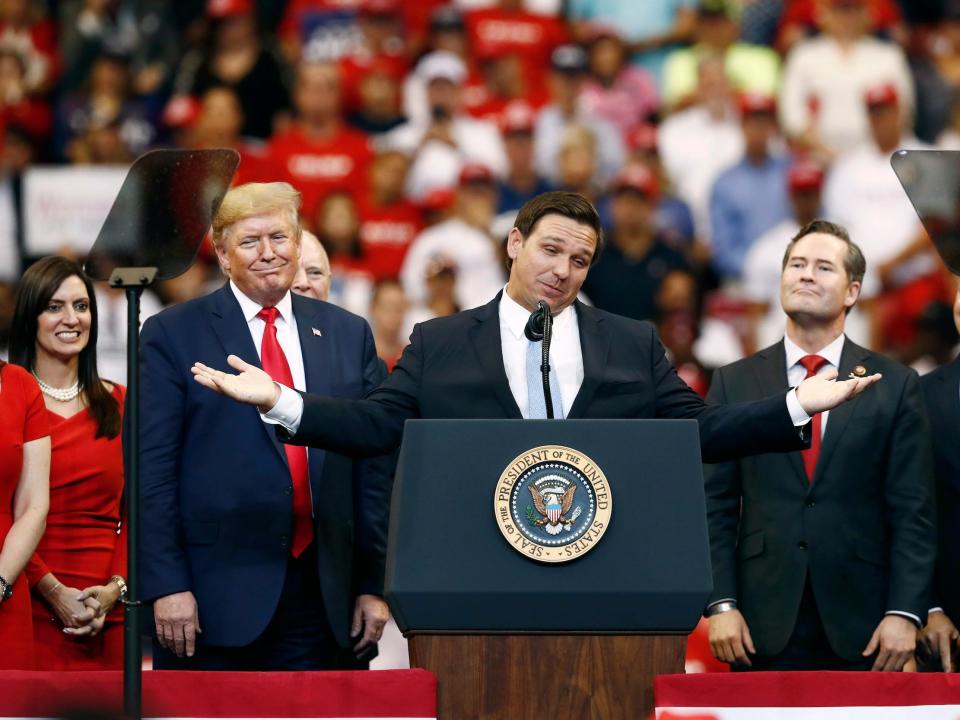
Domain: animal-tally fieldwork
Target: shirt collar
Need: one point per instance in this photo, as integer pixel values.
(831, 352)
(250, 308)
(514, 316)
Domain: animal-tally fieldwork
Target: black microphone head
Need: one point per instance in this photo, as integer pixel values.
(534, 327)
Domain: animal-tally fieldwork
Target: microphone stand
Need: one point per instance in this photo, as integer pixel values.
(543, 330)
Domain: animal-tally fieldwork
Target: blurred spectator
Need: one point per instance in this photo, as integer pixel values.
(937, 338)
(758, 23)
(103, 120)
(18, 107)
(141, 30)
(504, 82)
(568, 68)
(621, 93)
(448, 32)
(577, 162)
(934, 93)
(800, 20)
(235, 56)
(680, 316)
(388, 220)
(337, 227)
(864, 194)
(217, 124)
(314, 275)
(319, 153)
(673, 218)
(505, 28)
(388, 313)
(380, 45)
(750, 68)
(764, 264)
(440, 300)
(821, 107)
(626, 278)
(450, 138)
(378, 105)
(751, 197)
(522, 181)
(698, 143)
(25, 30)
(512, 46)
(651, 28)
(464, 238)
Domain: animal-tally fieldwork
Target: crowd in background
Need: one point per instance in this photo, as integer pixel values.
(706, 132)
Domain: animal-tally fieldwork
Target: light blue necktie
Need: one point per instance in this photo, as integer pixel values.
(536, 403)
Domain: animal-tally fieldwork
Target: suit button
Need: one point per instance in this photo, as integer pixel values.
(811, 504)
(284, 541)
(802, 545)
(288, 490)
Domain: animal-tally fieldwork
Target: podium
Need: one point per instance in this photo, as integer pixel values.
(510, 636)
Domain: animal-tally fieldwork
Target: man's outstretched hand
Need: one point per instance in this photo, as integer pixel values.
(252, 385)
(824, 392)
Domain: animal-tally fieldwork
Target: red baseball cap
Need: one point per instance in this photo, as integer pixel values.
(880, 95)
(643, 137)
(517, 117)
(756, 103)
(379, 7)
(637, 178)
(804, 175)
(181, 111)
(475, 173)
(220, 9)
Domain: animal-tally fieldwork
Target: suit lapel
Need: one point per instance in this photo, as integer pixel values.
(485, 336)
(772, 380)
(594, 348)
(319, 364)
(231, 330)
(839, 417)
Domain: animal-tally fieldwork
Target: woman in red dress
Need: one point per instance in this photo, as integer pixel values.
(77, 573)
(24, 464)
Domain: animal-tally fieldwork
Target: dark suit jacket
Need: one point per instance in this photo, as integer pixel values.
(216, 494)
(453, 368)
(863, 529)
(941, 389)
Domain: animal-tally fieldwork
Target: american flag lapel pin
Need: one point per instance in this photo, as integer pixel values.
(317, 332)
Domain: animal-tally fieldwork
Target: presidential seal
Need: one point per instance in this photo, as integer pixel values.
(553, 504)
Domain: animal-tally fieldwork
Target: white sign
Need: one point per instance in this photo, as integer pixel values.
(64, 207)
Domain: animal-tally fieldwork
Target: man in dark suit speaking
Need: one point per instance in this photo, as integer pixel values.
(478, 363)
(275, 552)
(822, 560)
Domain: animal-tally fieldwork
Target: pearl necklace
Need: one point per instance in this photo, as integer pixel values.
(62, 394)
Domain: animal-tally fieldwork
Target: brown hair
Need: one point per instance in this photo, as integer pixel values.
(38, 285)
(569, 205)
(853, 262)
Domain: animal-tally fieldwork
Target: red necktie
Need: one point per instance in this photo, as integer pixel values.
(812, 363)
(276, 366)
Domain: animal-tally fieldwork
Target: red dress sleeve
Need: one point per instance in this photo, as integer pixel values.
(118, 566)
(35, 423)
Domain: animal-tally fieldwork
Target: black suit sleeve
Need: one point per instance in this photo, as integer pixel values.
(910, 502)
(723, 487)
(372, 483)
(368, 427)
(727, 432)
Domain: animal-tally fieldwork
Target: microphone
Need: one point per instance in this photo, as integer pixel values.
(535, 324)
(539, 327)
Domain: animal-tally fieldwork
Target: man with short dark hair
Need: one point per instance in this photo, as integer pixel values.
(479, 364)
(822, 560)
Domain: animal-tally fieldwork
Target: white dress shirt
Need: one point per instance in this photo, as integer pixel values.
(797, 372)
(566, 358)
(286, 332)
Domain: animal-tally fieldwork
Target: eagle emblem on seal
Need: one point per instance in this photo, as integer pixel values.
(554, 505)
